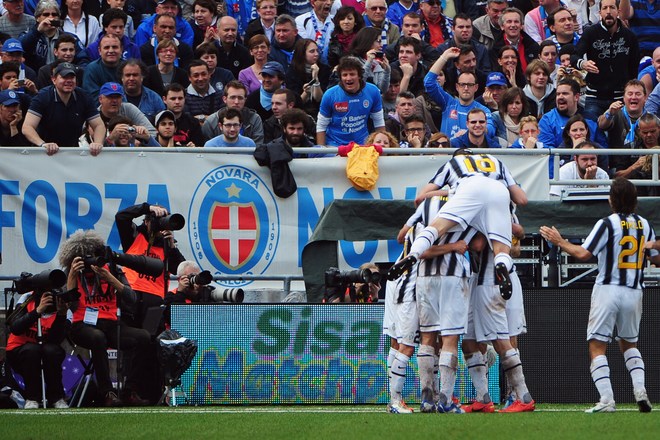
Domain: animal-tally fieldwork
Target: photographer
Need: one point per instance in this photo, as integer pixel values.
(27, 356)
(191, 290)
(102, 290)
(358, 286)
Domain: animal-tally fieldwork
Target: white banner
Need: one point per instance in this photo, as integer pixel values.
(234, 222)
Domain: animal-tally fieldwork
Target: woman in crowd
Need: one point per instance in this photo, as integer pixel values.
(529, 132)
(382, 139)
(512, 108)
(85, 27)
(548, 53)
(204, 22)
(368, 48)
(165, 72)
(347, 24)
(438, 140)
(307, 76)
(264, 24)
(259, 49)
(509, 65)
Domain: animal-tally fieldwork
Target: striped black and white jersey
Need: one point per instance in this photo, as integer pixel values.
(452, 263)
(462, 166)
(618, 242)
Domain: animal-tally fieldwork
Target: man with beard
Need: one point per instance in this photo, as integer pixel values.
(284, 100)
(346, 107)
(612, 57)
(293, 123)
(620, 122)
(584, 167)
(553, 122)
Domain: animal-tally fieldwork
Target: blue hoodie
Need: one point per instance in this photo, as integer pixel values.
(146, 29)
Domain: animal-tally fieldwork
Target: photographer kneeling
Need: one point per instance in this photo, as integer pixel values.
(95, 317)
(27, 356)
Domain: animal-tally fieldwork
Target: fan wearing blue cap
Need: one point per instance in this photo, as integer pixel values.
(57, 114)
(12, 52)
(496, 85)
(11, 120)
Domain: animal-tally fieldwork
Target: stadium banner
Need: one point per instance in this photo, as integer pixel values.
(235, 224)
(296, 354)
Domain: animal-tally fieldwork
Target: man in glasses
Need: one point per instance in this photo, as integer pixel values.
(229, 121)
(476, 132)
(375, 16)
(455, 110)
(437, 26)
(415, 132)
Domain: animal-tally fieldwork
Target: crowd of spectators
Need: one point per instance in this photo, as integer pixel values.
(354, 67)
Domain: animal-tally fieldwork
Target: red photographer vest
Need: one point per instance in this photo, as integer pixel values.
(142, 282)
(102, 297)
(16, 341)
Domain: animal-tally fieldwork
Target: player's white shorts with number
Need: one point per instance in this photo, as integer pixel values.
(612, 306)
(388, 316)
(482, 203)
(443, 303)
(515, 310)
(487, 315)
(402, 319)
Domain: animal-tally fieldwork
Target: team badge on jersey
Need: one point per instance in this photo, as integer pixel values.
(453, 114)
(234, 223)
(365, 103)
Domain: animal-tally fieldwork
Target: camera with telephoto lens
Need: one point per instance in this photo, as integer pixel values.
(171, 222)
(46, 281)
(140, 263)
(232, 296)
(337, 282)
(201, 279)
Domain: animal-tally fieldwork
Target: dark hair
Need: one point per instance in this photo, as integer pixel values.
(9, 66)
(636, 83)
(66, 38)
(173, 87)
(132, 62)
(395, 77)
(299, 59)
(235, 84)
(350, 63)
(566, 81)
(285, 19)
(206, 4)
(568, 142)
(293, 116)
(546, 43)
(206, 49)
(363, 41)
(119, 119)
(475, 110)
(509, 96)
(229, 113)
(411, 41)
(344, 12)
(197, 63)
(466, 49)
(159, 17)
(623, 196)
(414, 118)
(414, 16)
(121, 43)
(566, 49)
(601, 7)
(113, 14)
(290, 95)
(462, 16)
(550, 20)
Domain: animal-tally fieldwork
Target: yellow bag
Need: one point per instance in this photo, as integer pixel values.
(362, 168)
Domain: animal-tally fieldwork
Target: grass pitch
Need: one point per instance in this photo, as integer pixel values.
(327, 422)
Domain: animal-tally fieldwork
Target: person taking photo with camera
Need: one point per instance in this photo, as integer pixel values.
(37, 328)
(103, 290)
(192, 288)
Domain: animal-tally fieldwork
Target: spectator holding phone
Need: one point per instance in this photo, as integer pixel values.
(307, 75)
(368, 48)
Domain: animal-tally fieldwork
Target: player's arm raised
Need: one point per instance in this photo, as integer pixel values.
(553, 236)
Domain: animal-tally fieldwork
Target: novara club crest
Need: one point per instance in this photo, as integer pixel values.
(234, 225)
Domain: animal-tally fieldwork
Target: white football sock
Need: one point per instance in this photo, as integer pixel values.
(423, 241)
(436, 377)
(514, 374)
(425, 361)
(504, 258)
(600, 373)
(390, 359)
(477, 369)
(398, 376)
(448, 363)
(635, 366)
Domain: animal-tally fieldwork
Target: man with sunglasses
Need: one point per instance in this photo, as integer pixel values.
(375, 16)
(476, 132)
(437, 26)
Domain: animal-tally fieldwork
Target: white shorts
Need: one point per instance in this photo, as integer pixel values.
(388, 316)
(487, 315)
(406, 323)
(515, 310)
(482, 203)
(612, 306)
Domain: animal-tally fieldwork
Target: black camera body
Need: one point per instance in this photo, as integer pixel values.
(201, 279)
(171, 222)
(338, 281)
(140, 263)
